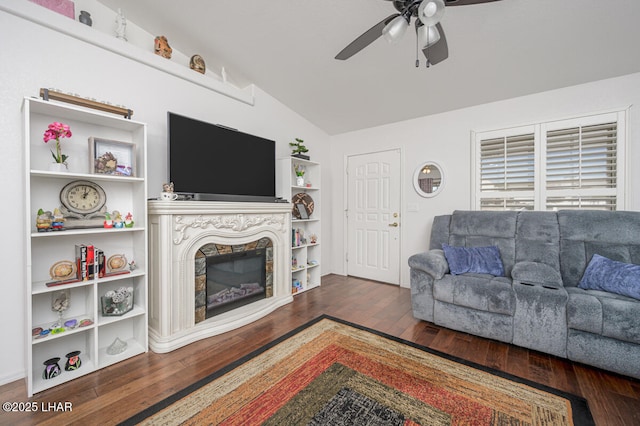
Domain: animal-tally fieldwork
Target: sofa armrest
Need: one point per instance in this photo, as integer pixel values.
(537, 274)
(432, 262)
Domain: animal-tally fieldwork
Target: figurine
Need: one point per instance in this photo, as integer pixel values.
(44, 221)
(58, 220)
(108, 222)
(128, 221)
(121, 25)
(132, 265)
(197, 64)
(167, 193)
(162, 48)
(117, 219)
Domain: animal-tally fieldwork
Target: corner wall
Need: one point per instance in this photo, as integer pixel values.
(446, 139)
(32, 57)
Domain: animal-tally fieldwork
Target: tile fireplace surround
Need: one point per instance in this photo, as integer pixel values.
(177, 232)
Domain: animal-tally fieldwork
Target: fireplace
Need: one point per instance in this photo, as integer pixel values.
(230, 276)
(195, 242)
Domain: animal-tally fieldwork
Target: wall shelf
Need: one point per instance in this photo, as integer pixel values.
(125, 194)
(305, 255)
(62, 24)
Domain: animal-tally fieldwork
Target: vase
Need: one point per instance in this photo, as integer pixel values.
(52, 368)
(58, 167)
(299, 180)
(73, 361)
(85, 18)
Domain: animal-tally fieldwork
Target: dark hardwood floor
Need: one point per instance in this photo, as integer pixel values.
(119, 391)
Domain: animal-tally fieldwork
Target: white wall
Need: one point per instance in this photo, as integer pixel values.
(32, 57)
(445, 139)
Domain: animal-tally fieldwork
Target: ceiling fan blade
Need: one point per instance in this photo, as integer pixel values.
(369, 36)
(439, 51)
(465, 2)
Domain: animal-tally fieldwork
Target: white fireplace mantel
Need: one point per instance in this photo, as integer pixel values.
(178, 229)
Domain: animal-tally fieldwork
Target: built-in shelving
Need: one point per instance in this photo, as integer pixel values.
(125, 194)
(305, 255)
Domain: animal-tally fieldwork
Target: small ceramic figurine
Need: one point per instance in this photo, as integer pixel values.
(108, 222)
(58, 220)
(117, 219)
(167, 187)
(161, 47)
(121, 25)
(44, 221)
(128, 220)
(197, 64)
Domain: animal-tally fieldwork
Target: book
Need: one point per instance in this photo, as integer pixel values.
(91, 262)
(81, 262)
(101, 267)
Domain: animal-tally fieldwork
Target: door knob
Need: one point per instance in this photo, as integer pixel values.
(394, 224)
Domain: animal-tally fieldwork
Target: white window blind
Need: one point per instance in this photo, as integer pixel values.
(581, 167)
(507, 172)
(565, 164)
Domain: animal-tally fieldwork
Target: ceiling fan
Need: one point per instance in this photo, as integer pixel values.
(430, 36)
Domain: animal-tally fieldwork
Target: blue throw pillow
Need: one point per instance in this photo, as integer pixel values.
(480, 260)
(612, 276)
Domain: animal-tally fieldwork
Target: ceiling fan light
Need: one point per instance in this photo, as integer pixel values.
(430, 12)
(428, 36)
(395, 29)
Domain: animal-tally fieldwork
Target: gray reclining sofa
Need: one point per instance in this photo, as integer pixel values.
(537, 304)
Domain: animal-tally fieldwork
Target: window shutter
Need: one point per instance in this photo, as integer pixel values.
(582, 157)
(507, 164)
(573, 163)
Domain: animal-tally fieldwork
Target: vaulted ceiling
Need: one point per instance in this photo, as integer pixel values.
(497, 51)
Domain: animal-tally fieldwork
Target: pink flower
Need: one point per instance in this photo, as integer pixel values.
(55, 131)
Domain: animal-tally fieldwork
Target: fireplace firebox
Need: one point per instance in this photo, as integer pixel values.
(235, 280)
(231, 276)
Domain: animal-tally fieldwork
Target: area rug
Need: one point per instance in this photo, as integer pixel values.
(331, 372)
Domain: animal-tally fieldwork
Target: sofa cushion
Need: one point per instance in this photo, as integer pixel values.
(583, 233)
(477, 291)
(611, 276)
(537, 238)
(603, 313)
(481, 229)
(536, 273)
(480, 260)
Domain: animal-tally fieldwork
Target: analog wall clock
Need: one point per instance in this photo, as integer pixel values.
(84, 204)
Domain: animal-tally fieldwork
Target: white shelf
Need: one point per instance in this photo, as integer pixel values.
(85, 231)
(133, 348)
(287, 188)
(72, 28)
(125, 194)
(91, 176)
(65, 333)
(39, 384)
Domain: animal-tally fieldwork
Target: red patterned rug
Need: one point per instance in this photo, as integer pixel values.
(330, 372)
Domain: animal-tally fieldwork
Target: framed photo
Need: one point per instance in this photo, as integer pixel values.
(302, 210)
(109, 157)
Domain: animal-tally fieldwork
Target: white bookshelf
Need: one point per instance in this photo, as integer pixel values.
(306, 257)
(43, 249)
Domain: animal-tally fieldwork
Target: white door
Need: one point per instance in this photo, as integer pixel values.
(373, 216)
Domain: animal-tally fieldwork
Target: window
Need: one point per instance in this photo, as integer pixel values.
(567, 164)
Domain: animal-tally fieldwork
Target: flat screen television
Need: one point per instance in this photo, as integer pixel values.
(215, 163)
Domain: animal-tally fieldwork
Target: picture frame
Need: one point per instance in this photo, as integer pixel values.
(110, 157)
(302, 210)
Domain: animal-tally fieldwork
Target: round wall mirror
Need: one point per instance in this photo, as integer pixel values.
(428, 179)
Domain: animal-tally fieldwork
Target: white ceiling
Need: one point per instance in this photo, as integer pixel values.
(497, 51)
